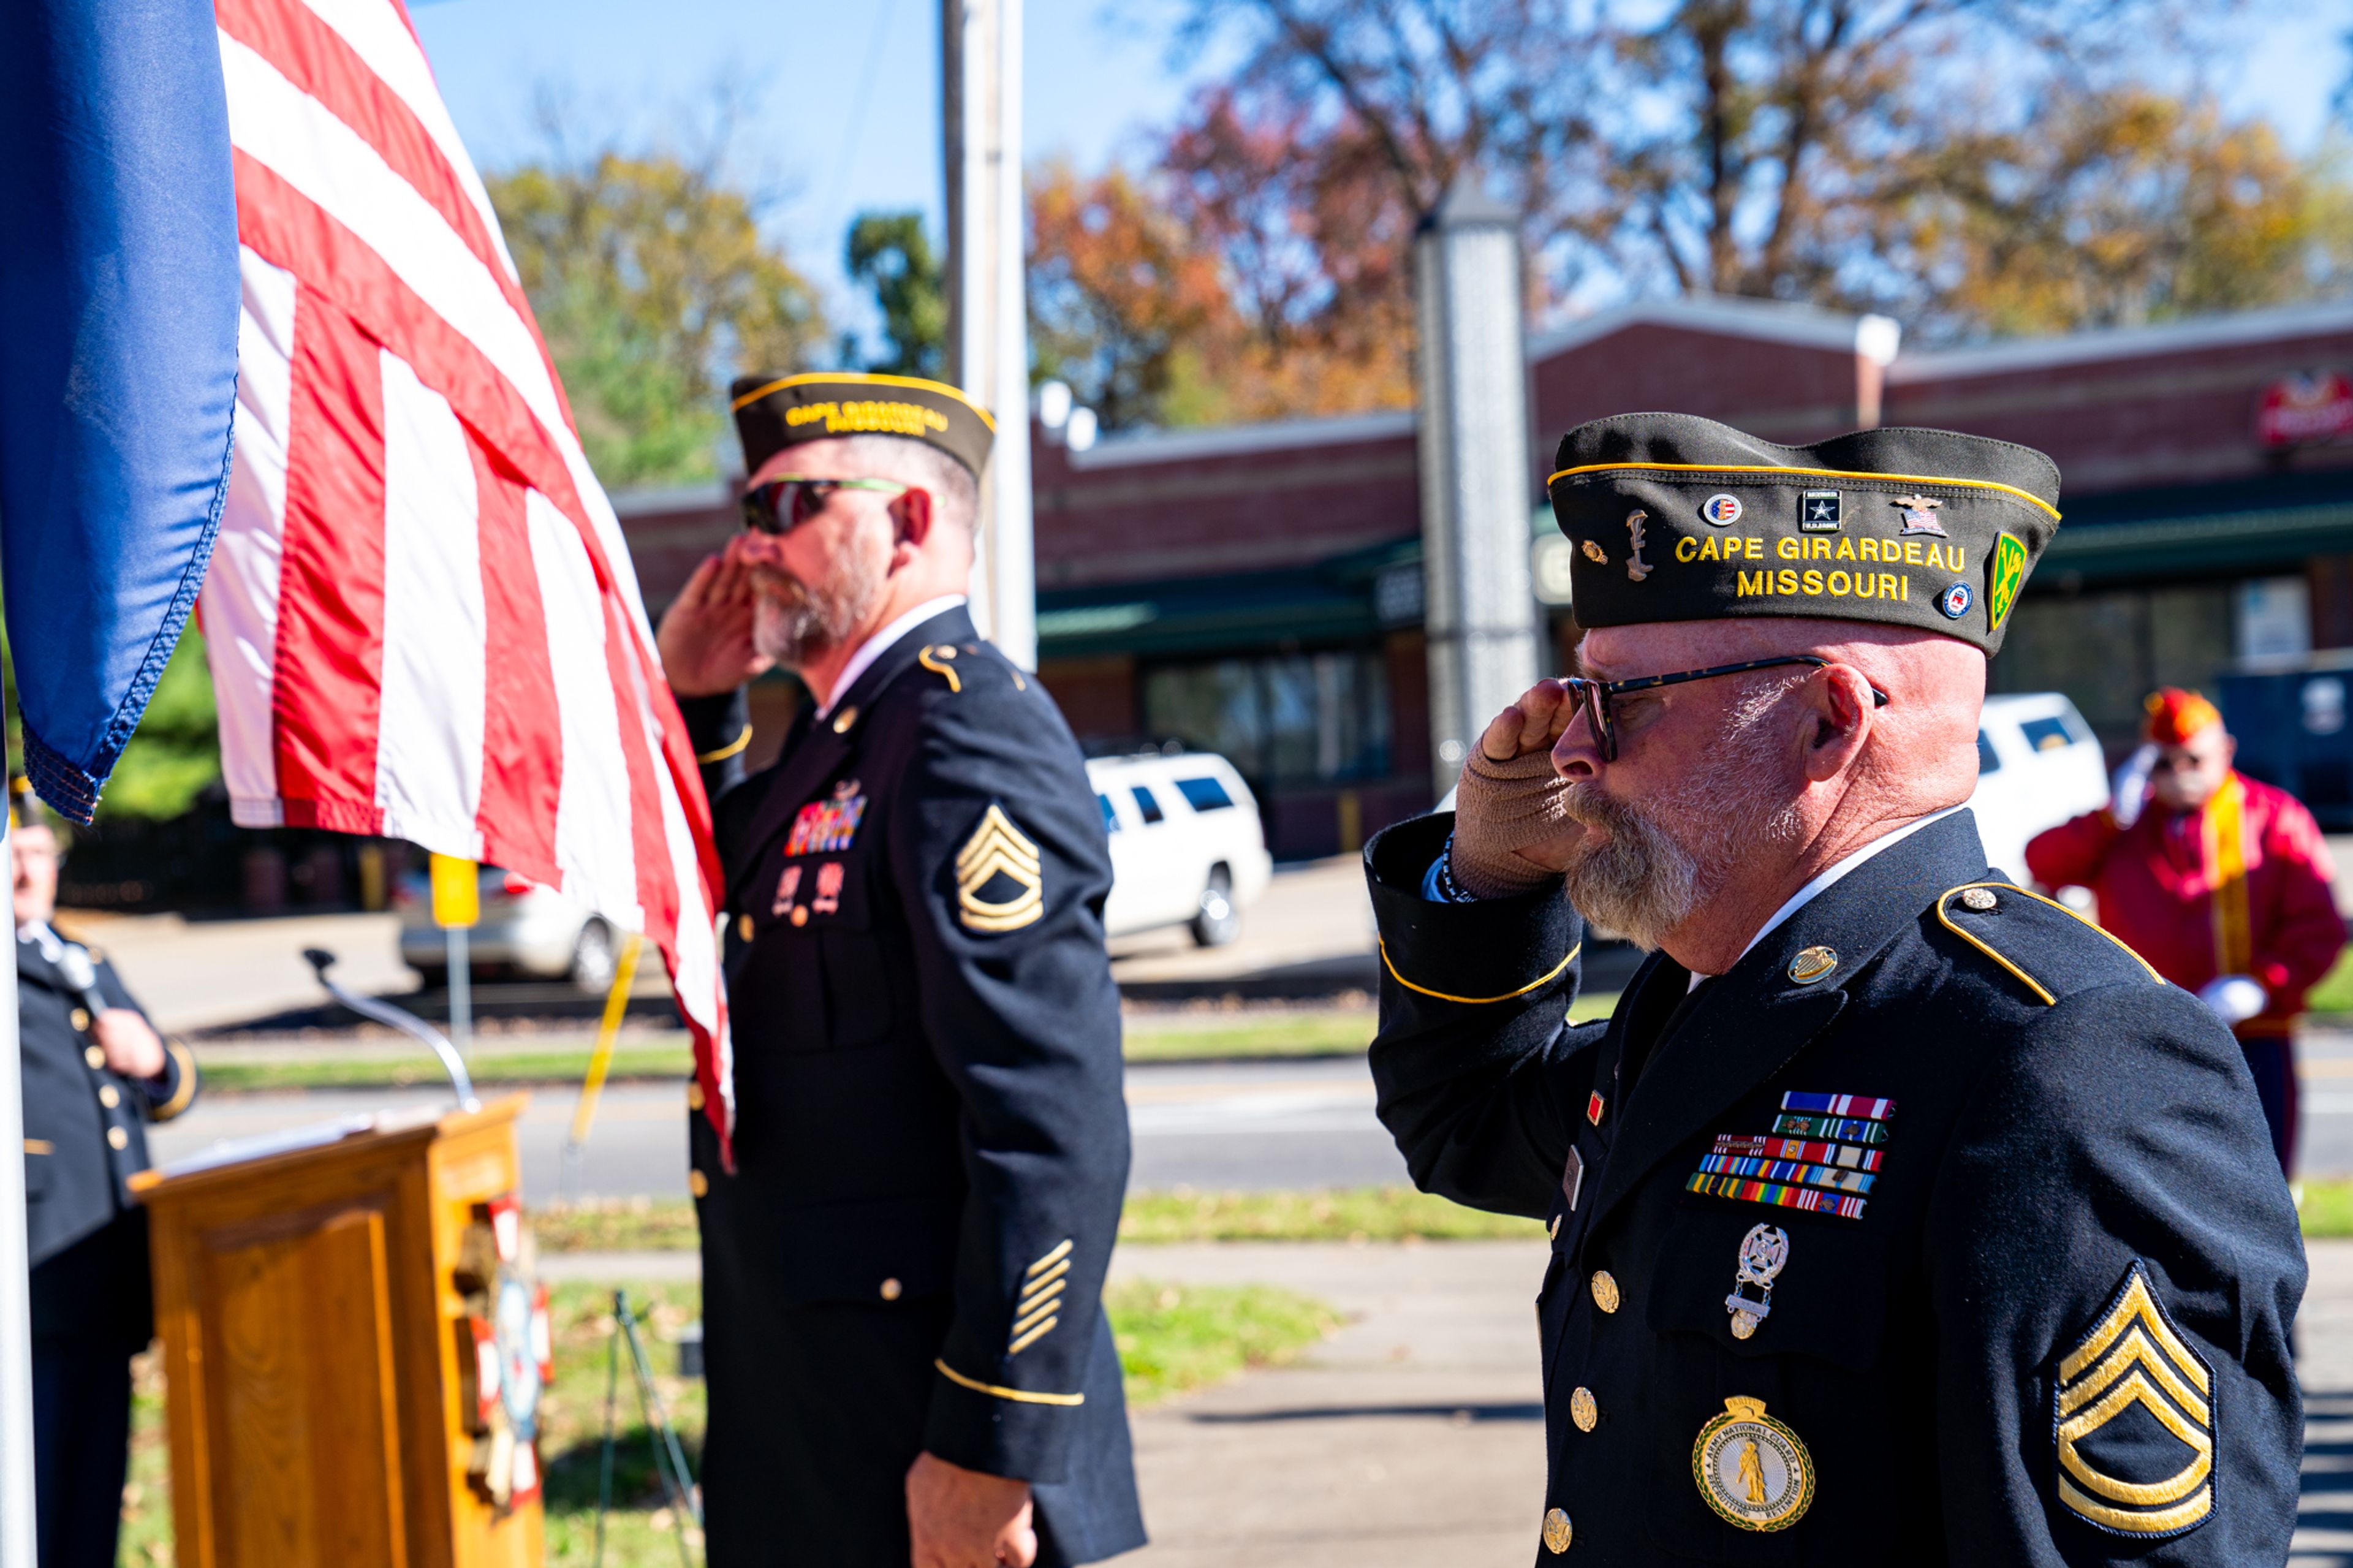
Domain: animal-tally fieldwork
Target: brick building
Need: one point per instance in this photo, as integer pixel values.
(1257, 590)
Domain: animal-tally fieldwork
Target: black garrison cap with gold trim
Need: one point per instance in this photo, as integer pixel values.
(773, 412)
(1676, 518)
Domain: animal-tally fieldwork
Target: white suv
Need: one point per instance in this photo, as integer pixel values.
(1186, 848)
(2038, 766)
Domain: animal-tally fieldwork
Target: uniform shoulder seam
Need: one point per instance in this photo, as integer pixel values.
(2013, 966)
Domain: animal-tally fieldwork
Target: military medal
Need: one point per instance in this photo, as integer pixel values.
(1752, 1469)
(1764, 1252)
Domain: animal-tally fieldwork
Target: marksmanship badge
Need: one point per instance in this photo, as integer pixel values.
(1764, 1251)
(1753, 1470)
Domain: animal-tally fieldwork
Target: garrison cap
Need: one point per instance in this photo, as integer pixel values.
(773, 412)
(1676, 518)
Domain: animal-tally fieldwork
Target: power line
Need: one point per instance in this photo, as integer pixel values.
(856, 124)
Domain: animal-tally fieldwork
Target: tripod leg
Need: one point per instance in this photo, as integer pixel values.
(612, 1395)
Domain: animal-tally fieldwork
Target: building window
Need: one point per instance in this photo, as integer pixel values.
(1284, 720)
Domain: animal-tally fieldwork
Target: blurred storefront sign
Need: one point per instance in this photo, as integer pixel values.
(2299, 410)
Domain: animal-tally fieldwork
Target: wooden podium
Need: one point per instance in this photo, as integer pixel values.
(320, 1309)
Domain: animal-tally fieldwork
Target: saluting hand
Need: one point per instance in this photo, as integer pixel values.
(705, 635)
(1510, 832)
(132, 1047)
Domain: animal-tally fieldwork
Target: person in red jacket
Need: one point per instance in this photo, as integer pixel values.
(2221, 882)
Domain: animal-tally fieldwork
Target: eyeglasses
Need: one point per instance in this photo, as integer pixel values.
(1595, 695)
(788, 500)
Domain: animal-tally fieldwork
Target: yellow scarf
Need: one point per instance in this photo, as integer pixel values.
(2226, 851)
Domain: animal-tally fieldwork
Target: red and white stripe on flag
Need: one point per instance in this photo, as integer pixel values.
(422, 621)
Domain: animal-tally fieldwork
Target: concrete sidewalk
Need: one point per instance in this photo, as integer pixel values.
(1413, 1436)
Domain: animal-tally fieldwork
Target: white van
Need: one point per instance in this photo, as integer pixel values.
(2038, 766)
(1186, 847)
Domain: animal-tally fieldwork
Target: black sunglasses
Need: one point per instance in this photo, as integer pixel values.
(784, 503)
(1595, 695)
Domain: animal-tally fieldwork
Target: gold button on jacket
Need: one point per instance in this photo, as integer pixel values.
(1605, 1290)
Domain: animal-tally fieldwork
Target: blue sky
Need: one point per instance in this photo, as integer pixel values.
(848, 113)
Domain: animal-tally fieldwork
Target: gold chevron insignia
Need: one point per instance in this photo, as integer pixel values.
(998, 848)
(1035, 1314)
(2134, 1356)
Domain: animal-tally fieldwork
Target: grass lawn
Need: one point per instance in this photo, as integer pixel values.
(2335, 992)
(1172, 1339)
(325, 1070)
(2328, 1209)
(1343, 1214)
(1198, 1035)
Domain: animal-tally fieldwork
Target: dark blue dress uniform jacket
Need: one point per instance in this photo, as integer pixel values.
(85, 1137)
(2069, 1136)
(931, 1138)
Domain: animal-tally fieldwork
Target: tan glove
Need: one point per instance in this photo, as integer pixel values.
(1500, 809)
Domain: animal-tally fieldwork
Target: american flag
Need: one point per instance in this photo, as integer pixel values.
(422, 619)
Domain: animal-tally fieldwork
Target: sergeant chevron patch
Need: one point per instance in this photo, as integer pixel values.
(2147, 1475)
(1042, 1284)
(999, 854)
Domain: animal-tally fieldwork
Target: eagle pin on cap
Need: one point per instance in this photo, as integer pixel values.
(1677, 517)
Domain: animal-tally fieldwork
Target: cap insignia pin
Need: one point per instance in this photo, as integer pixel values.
(1920, 516)
(1811, 964)
(1636, 567)
(1764, 1252)
(1955, 601)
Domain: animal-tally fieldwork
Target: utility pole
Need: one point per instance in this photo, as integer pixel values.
(1475, 480)
(989, 318)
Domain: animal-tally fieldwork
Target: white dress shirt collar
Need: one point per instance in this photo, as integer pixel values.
(881, 643)
(1813, 889)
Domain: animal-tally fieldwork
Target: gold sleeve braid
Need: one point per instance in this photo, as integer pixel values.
(705, 759)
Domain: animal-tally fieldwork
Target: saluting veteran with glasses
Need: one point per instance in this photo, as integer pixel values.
(1897, 1215)
(906, 1351)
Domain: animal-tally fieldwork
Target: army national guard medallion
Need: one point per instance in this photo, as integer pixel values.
(1752, 1469)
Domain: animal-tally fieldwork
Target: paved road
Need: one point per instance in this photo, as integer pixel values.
(1307, 1124)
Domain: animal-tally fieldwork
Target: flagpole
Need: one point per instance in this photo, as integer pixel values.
(16, 1543)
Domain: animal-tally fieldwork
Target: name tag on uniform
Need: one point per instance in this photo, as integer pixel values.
(1572, 1178)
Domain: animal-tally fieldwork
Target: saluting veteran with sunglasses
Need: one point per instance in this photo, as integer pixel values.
(904, 1349)
(1897, 1215)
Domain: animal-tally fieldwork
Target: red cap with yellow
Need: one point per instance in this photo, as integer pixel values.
(2175, 716)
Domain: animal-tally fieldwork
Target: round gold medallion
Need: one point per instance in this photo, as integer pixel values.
(1811, 964)
(1556, 1531)
(1752, 1469)
(1583, 1411)
(1605, 1290)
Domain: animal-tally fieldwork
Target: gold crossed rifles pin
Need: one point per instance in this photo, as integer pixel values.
(2134, 1356)
(998, 848)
